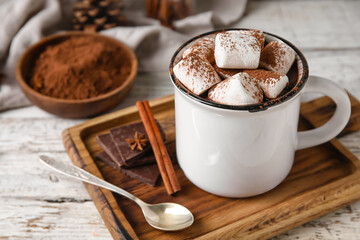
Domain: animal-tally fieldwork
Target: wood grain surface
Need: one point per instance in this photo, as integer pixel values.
(37, 203)
(322, 179)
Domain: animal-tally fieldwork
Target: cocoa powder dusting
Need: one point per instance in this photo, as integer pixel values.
(258, 35)
(253, 88)
(80, 68)
(203, 49)
(198, 65)
(226, 72)
(268, 56)
(272, 53)
(263, 75)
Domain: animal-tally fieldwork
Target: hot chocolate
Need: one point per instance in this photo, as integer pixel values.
(237, 67)
(244, 150)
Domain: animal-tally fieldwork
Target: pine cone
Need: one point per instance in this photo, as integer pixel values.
(96, 15)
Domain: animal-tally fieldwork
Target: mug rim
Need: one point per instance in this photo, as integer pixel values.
(253, 107)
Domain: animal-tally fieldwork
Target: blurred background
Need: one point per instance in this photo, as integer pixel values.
(326, 31)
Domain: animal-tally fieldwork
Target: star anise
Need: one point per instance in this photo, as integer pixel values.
(139, 141)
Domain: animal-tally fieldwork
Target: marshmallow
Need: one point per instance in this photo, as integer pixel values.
(225, 73)
(240, 89)
(259, 35)
(196, 74)
(277, 57)
(204, 48)
(272, 83)
(235, 50)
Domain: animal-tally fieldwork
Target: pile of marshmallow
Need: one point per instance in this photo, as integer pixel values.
(235, 67)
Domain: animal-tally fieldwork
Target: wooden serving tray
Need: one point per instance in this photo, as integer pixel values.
(322, 179)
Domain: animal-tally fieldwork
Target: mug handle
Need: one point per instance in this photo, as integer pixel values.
(338, 121)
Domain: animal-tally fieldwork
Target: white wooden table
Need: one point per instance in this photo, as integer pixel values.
(36, 203)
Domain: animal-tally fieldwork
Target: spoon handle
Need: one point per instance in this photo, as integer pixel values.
(80, 174)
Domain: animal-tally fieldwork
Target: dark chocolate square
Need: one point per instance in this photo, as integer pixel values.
(105, 158)
(106, 143)
(146, 173)
(129, 156)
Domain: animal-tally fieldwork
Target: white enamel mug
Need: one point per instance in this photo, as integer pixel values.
(242, 151)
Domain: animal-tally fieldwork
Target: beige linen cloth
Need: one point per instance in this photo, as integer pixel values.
(24, 22)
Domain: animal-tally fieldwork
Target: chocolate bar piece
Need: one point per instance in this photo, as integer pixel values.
(145, 173)
(106, 143)
(130, 156)
(105, 158)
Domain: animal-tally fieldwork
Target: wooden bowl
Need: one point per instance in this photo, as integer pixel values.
(73, 108)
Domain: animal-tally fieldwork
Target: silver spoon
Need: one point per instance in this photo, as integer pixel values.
(163, 216)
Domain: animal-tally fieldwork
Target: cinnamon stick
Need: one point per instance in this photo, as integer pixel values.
(165, 155)
(164, 13)
(148, 8)
(152, 7)
(155, 146)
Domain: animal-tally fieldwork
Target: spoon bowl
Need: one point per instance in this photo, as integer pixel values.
(168, 216)
(162, 216)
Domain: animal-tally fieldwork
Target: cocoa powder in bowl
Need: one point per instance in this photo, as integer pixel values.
(80, 67)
